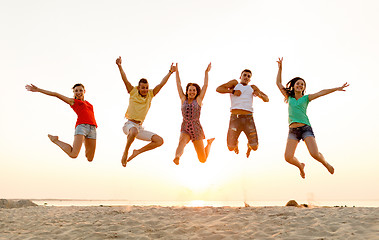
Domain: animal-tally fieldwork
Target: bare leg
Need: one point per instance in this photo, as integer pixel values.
(248, 151)
(202, 153)
(313, 150)
(73, 151)
(249, 148)
(156, 141)
(235, 149)
(208, 147)
(291, 159)
(183, 140)
(131, 136)
(90, 145)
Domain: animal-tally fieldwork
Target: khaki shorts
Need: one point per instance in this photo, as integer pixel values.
(142, 133)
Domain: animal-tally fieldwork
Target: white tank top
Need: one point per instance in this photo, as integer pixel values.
(245, 100)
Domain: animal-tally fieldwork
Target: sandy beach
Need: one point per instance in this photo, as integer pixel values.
(134, 222)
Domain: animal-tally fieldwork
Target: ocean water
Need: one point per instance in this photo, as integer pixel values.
(199, 203)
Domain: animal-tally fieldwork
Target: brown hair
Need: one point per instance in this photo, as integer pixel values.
(78, 85)
(290, 87)
(142, 80)
(246, 70)
(198, 89)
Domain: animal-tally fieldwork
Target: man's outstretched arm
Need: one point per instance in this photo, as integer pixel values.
(128, 85)
(164, 80)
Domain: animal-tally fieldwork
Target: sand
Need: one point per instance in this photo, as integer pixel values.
(135, 222)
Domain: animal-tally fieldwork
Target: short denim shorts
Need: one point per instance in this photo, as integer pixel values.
(89, 131)
(300, 133)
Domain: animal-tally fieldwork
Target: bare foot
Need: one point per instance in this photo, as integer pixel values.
(236, 150)
(248, 151)
(176, 161)
(53, 138)
(123, 160)
(209, 141)
(330, 168)
(134, 154)
(302, 173)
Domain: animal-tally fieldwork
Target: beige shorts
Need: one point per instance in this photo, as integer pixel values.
(142, 133)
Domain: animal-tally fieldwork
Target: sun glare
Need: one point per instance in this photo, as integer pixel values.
(200, 178)
(196, 203)
(195, 178)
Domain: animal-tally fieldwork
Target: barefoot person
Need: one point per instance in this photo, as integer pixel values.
(299, 125)
(241, 119)
(85, 128)
(139, 104)
(191, 128)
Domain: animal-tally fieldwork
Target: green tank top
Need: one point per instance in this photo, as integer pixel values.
(297, 110)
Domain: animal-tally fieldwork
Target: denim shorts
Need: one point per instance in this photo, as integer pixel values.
(241, 123)
(89, 131)
(300, 133)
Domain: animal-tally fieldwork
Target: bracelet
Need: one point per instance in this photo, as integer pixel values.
(170, 71)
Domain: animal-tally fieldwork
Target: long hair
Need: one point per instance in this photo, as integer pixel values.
(78, 85)
(290, 87)
(198, 89)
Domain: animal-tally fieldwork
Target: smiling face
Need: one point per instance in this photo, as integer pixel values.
(79, 92)
(245, 77)
(143, 89)
(191, 92)
(299, 86)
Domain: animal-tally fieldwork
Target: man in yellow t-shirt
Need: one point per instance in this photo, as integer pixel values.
(139, 104)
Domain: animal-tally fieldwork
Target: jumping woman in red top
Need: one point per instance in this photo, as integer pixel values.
(85, 128)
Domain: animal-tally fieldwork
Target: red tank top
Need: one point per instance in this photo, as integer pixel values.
(85, 113)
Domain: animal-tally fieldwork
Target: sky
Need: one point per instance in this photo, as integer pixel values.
(55, 44)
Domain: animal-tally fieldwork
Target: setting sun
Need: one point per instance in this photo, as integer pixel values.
(197, 177)
(196, 203)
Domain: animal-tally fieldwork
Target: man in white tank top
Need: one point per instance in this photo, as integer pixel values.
(241, 119)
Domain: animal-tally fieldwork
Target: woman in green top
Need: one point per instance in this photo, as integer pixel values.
(299, 125)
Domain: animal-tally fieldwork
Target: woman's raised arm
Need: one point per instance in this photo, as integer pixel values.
(182, 96)
(327, 91)
(65, 99)
(279, 78)
(205, 86)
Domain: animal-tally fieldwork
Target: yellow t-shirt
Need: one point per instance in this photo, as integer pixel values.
(138, 105)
